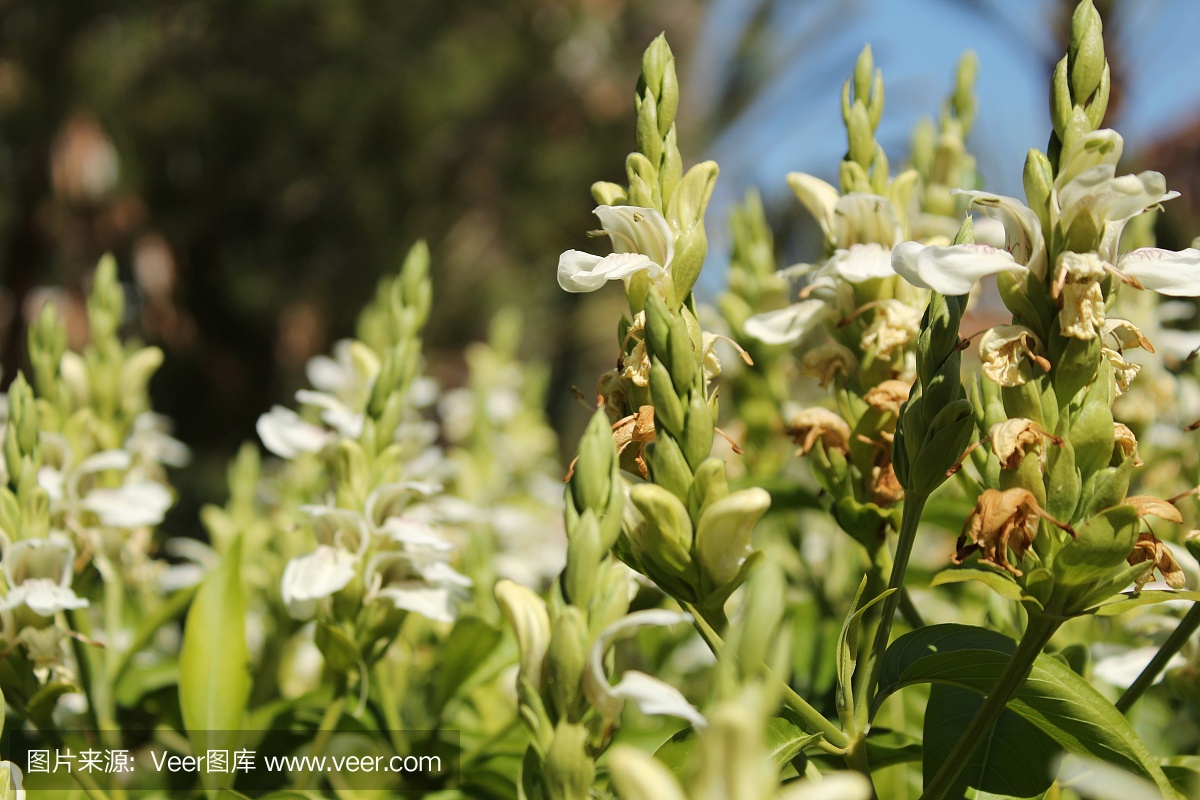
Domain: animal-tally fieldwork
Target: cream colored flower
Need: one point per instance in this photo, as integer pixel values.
(1176, 274)
(951, 270)
(1077, 285)
(310, 578)
(649, 694)
(1010, 440)
(895, 325)
(1022, 230)
(1123, 371)
(1006, 350)
(826, 361)
(1149, 548)
(1128, 443)
(641, 239)
(635, 366)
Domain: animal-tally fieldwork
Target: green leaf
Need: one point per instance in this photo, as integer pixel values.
(214, 662)
(1000, 583)
(1101, 545)
(1127, 600)
(847, 651)
(464, 651)
(1014, 760)
(1054, 699)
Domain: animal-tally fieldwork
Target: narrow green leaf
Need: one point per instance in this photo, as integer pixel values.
(1127, 600)
(1001, 584)
(214, 663)
(1054, 699)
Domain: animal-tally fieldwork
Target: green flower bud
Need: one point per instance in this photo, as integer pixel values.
(353, 473)
(590, 484)
(685, 211)
(1085, 53)
(708, 486)
(668, 410)
(864, 67)
(643, 182)
(963, 101)
(565, 662)
(698, 432)
(669, 468)
(1060, 99)
(606, 193)
(723, 533)
(666, 538)
(860, 135)
(569, 769)
(1099, 105)
(585, 551)
(1039, 182)
(649, 140)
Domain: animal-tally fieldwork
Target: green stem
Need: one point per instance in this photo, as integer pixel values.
(914, 505)
(324, 731)
(814, 719)
(1036, 637)
(1174, 643)
(89, 785)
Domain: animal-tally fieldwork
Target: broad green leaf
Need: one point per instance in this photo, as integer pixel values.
(1054, 699)
(1003, 585)
(1014, 760)
(214, 663)
(1127, 600)
(1184, 773)
(171, 608)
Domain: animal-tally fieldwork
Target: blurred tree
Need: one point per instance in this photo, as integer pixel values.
(258, 166)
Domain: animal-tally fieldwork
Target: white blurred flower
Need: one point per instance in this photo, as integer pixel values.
(285, 434)
(311, 578)
(39, 573)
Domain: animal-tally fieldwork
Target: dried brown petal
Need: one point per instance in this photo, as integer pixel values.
(888, 396)
(1148, 506)
(820, 424)
(1000, 521)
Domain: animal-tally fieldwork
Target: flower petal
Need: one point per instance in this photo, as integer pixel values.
(950, 270)
(286, 435)
(656, 697)
(1176, 274)
(583, 272)
(1022, 231)
(434, 603)
(132, 505)
(861, 262)
(605, 698)
(638, 230)
(307, 579)
(786, 325)
(818, 197)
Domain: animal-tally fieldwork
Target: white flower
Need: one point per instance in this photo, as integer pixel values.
(38, 573)
(137, 502)
(846, 220)
(649, 694)
(1176, 274)
(861, 262)
(313, 577)
(787, 325)
(416, 581)
(1023, 237)
(641, 239)
(286, 435)
(151, 440)
(951, 270)
(339, 416)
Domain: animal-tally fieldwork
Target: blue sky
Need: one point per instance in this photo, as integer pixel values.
(793, 120)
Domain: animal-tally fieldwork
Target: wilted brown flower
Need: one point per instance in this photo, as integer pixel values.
(820, 424)
(1149, 548)
(1002, 520)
